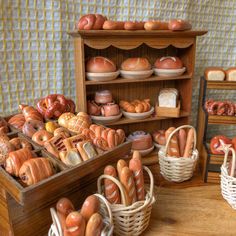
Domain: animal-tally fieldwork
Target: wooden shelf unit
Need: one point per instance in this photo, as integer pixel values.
(120, 45)
(209, 163)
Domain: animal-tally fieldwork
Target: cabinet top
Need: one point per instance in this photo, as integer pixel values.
(127, 33)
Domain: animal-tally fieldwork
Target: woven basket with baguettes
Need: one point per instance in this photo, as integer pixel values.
(133, 219)
(228, 178)
(105, 211)
(178, 169)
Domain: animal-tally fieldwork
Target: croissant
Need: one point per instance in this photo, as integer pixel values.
(17, 121)
(101, 143)
(35, 170)
(16, 159)
(30, 113)
(127, 106)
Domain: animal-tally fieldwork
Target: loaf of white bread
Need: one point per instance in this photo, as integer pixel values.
(168, 97)
(231, 74)
(214, 73)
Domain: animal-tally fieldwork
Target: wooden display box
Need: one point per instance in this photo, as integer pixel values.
(167, 111)
(25, 209)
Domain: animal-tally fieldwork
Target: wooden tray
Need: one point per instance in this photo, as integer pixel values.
(168, 112)
(65, 179)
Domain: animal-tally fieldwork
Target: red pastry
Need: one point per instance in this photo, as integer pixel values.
(216, 144)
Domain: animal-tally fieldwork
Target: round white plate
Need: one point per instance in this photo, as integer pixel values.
(138, 116)
(144, 152)
(102, 76)
(158, 146)
(136, 74)
(106, 119)
(169, 72)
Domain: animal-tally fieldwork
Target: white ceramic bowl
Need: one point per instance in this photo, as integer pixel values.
(106, 119)
(158, 146)
(102, 76)
(136, 74)
(138, 116)
(169, 72)
(144, 152)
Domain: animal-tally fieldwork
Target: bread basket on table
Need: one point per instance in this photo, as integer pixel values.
(181, 168)
(228, 179)
(134, 219)
(105, 211)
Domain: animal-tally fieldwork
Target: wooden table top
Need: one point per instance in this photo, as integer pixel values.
(198, 210)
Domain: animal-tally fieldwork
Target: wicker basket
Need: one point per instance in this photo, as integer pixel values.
(134, 219)
(178, 169)
(228, 182)
(105, 211)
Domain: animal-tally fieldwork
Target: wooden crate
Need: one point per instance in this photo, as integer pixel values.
(29, 206)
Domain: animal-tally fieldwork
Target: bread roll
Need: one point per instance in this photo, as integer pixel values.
(168, 63)
(100, 65)
(64, 118)
(91, 205)
(136, 64)
(156, 25)
(179, 25)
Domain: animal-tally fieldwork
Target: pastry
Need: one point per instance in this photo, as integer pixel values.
(64, 118)
(17, 121)
(50, 126)
(86, 150)
(30, 113)
(19, 143)
(70, 157)
(41, 136)
(71, 142)
(32, 126)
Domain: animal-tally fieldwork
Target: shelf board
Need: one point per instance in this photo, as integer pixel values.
(229, 85)
(122, 33)
(226, 120)
(121, 80)
(124, 120)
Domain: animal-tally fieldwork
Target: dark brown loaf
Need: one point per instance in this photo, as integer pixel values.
(35, 170)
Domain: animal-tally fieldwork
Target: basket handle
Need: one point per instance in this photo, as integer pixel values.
(56, 222)
(177, 129)
(107, 206)
(120, 186)
(226, 150)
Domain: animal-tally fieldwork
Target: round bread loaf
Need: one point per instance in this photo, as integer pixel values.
(136, 64)
(100, 65)
(168, 63)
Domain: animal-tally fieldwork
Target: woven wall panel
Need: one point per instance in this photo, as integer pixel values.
(37, 54)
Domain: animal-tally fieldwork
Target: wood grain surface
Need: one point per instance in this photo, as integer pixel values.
(191, 211)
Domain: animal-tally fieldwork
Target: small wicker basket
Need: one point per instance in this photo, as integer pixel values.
(228, 182)
(105, 211)
(178, 169)
(130, 220)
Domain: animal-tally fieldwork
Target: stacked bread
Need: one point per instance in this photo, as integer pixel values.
(86, 222)
(168, 97)
(103, 104)
(219, 74)
(130, 176)
(99, 22)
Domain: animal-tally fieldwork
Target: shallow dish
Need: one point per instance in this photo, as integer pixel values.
(144, 152)
(106, 119)
(136, 74)
(158, 146)
(138, 116)
(169, 72)
(102, 76)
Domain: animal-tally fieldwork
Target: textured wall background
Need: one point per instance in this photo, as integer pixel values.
(37, 54)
